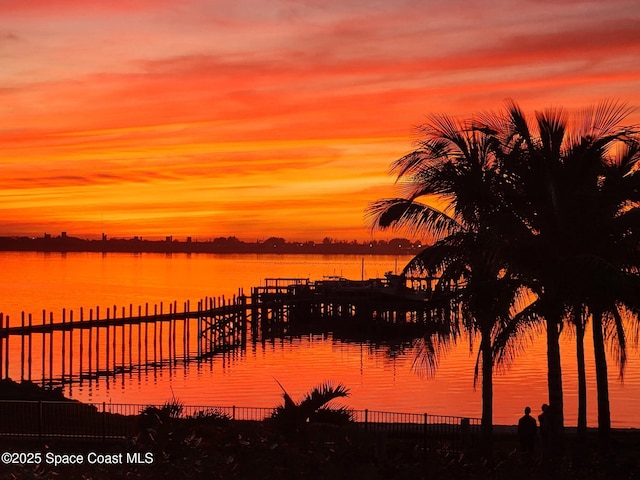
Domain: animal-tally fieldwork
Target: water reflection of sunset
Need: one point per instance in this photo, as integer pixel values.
(246, 378)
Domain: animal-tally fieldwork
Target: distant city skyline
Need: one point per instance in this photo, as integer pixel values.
(68, 243)
(207, 238)
(225, 118)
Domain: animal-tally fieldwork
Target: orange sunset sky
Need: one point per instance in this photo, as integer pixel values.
(277, 117)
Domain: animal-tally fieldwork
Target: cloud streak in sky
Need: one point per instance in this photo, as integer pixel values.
(234, 106)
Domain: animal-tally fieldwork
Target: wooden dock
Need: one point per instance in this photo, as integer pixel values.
(105, 342)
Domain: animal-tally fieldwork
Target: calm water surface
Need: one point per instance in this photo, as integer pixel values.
(380, 377)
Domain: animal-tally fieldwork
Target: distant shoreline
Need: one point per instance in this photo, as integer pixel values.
(221, 245)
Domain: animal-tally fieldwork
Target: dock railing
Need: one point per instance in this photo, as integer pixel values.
(92, 343)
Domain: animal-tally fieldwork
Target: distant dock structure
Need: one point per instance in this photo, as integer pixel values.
(103, 342)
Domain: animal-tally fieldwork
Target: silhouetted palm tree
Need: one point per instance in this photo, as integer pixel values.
(609, 189)
(536, 158)
(293, 416)
(512, 201)
(579, 229)
(456, 172)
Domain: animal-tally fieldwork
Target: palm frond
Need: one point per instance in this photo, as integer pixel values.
(430, 349)
(627, 157)
(518, 333)
(434, 258)
(292, 415)
(288, 401)
(552, 125)
(446, 128)
(476, 369)
(604, 119)
(619, 341)
(411, 163)
(325, 392)
(399, 213)
(519, 125)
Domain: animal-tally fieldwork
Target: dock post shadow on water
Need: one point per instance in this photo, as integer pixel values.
(75, 349)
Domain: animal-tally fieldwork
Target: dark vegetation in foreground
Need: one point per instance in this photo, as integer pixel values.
(210, 445)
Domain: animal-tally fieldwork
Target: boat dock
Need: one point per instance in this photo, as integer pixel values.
(88, 344)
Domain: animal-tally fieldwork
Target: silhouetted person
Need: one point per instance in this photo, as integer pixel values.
(527, 428)
(545, 428)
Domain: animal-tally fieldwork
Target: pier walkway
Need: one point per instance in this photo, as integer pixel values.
(97, 342)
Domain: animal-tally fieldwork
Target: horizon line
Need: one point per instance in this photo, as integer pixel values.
(193, 238)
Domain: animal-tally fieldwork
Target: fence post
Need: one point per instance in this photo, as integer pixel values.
(465, 433)
(425, 432)
(366, 419)
(39, 419)
(6, 349)
(104, 421)
(22, 350)
(233, 412)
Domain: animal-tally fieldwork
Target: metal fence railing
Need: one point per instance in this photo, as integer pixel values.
(107, 421)
(64, 420)
(436, 431)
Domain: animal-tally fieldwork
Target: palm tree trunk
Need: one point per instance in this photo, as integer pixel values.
(554, 381)
(554, 374)
(582, 375)
(602, 382)
(487, 394)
